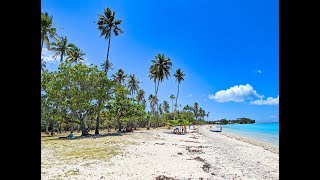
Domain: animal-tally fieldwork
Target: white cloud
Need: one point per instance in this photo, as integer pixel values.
(268, 101)
(272, 116)
(47, 56)
(237, 93)
(189, 95)
(259, 71)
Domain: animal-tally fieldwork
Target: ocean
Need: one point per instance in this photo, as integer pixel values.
(267, 132)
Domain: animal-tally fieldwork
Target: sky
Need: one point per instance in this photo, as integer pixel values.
(228, 49)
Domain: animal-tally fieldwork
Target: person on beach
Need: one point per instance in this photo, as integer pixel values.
(71, 136)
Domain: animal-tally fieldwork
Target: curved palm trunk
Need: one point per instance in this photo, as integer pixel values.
(175, 108)
(107, 60)
(61, 57)
(41, 46)
(172, 104)
(157, 106)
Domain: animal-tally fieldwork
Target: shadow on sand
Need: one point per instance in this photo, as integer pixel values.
(92, 136)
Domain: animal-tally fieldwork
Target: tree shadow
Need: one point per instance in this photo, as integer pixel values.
(91, 136)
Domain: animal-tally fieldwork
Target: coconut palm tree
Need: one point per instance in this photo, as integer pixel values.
(160, 109)
(202, 113)
(140, 95)
(196, 110)
(119, 76)
(179, 77)
(166, 106)
(159, 70)
(172, 98)
(152, 100)
(61, 47)
(47, 30)
(208, 115)
(110, 65)
(75, 54)
(133, 84)
(108, 24)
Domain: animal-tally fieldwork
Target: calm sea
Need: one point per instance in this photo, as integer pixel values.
(268, 132)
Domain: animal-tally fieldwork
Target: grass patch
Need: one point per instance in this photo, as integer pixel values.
(93, 153)
(67, 150)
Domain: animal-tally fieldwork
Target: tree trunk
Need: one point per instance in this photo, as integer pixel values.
(175, 108)
(61, 57)
(149, 123)
(41, 46)
(157, 117)
(98, 118)
(52, 130)
(47, 127)
(83, 128)
(119, 124)
(60, 128)
(107, 60)
(172, 104)
(107, 126)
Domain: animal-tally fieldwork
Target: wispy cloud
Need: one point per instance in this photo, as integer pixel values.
(189, 95)
(268, 101)
(259, 71)
(47, 56)
(272, 116)
(237, 93)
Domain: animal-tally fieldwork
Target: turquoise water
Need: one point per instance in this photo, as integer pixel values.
(267, 132)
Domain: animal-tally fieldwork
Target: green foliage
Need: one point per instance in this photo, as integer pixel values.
(242, 120)
(70, 94)
(47, 29)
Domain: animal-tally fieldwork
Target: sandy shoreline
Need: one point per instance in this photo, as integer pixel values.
(150, 154)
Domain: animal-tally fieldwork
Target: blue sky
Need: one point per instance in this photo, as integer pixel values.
(228, 49)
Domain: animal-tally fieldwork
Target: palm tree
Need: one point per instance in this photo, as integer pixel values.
(166, 106)
(152, 99)
(75, 54)
(107, 24)
(202, 113)
(195, 110)
(172, 98)
(186, 108)
(103, 65)
(179, 77)
(119, 76)
(159, 70)
(61, 47)
(133, 84)
(160, 109)
(144, 103)
(140, 95)
(208, 115)
(47, 30)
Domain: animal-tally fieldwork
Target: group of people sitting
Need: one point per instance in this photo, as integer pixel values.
(177, 130)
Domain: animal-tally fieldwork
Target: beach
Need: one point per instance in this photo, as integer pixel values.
(157, 153)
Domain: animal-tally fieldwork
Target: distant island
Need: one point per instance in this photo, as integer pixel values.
(236, 121)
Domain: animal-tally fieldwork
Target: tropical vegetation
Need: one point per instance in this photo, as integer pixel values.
(81, 97)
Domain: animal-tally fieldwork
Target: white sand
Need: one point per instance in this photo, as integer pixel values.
(156, 153)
